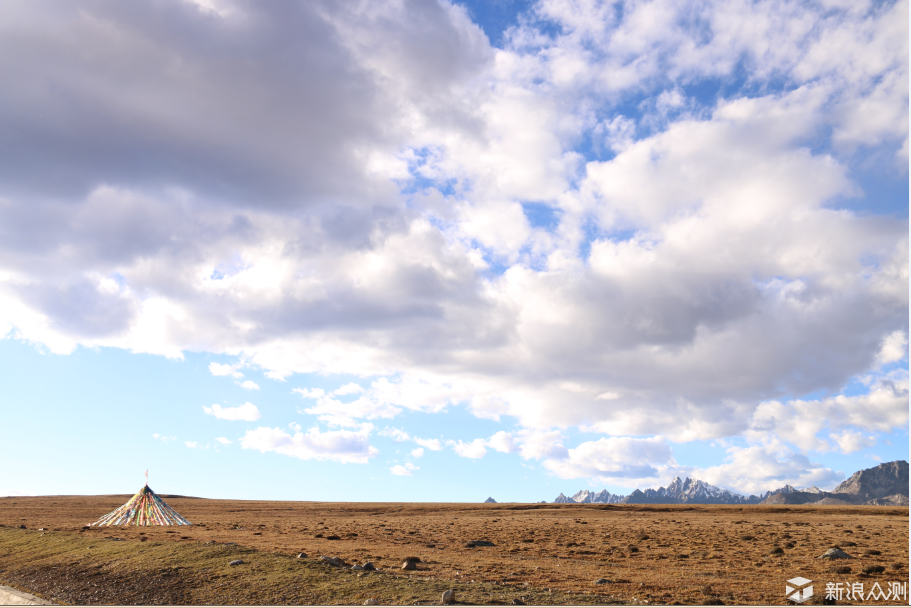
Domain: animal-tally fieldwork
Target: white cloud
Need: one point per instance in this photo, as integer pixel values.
(224, 369)
(852, 441)
(395, 434)
(247, 412)
(309, 393)
(417, 452)
(894, 348)
(613, 459)
(349, 389)
(223, 440)
(249, 385)
(164, 438)
(190, 444)
(473, 449)
(431, 444)
(400, 470)
(502, 441)
(339, 446)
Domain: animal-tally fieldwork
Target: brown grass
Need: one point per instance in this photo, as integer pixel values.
(544, 554)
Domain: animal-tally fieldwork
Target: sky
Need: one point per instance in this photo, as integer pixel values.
(422, 250)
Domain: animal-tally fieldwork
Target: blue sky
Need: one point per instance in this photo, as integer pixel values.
(429, 251)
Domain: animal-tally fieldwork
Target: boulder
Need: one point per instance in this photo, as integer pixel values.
(449, 596)
(835, 553)
(332, 561)
(236, 562)
(369, 567)
(357, 568)
(371, 602)
(301, 556)
(409, 565)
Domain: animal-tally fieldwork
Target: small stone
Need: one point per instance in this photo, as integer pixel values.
(409, 565)
(357, 568)
(332, 561)
(371, 602)
(480, 543)
(369, 566)
(22, 526)
(236, 562)
(333, 537)
(517, 602)
(449, 596)
(835, 553)
(301, 556)
(601, 581)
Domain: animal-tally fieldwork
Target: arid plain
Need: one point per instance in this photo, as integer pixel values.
(543, 553)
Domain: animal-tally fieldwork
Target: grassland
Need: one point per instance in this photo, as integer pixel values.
(543, 554)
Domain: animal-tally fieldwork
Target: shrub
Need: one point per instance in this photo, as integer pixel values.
(841, 570)
(873, 569)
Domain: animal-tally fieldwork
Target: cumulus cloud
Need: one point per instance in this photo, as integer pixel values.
(249, 385)
(223, 440)
(473, 449)
(400, 470)
(224, 369)
(247, 411)
(610, 459)
(339, 446)
(417, 452)
(434, 445)
(190, 444)
(164, 438)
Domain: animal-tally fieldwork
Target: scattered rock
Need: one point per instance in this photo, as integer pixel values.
(236, 562)
(333, 537)
(872, 552)
(416, 560)
(409, 565)
(301, 556)
(517, 602)
(776, 551)
(370, 567)
(873, 569)
(841, 570)
(449, 596)
(601, 581)
(835, 553)
(22, 527)
(479, 543)
(371, 602)
(357, 568)
(332, 561)
(747, 537)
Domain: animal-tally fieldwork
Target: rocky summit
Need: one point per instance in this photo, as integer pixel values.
(884, 485)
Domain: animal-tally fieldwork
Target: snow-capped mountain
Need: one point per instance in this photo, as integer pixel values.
(679, 491)
(884, 484)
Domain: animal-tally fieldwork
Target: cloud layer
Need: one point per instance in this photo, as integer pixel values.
(568, 231)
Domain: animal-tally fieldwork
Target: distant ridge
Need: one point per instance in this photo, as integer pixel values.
(884, 485)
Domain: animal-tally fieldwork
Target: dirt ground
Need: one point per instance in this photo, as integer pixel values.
(543, 553)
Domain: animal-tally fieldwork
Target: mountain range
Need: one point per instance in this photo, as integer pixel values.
(885, 484)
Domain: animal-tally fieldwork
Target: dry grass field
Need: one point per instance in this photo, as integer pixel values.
(543, 554)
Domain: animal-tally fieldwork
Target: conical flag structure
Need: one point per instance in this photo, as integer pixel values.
(144, 509)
